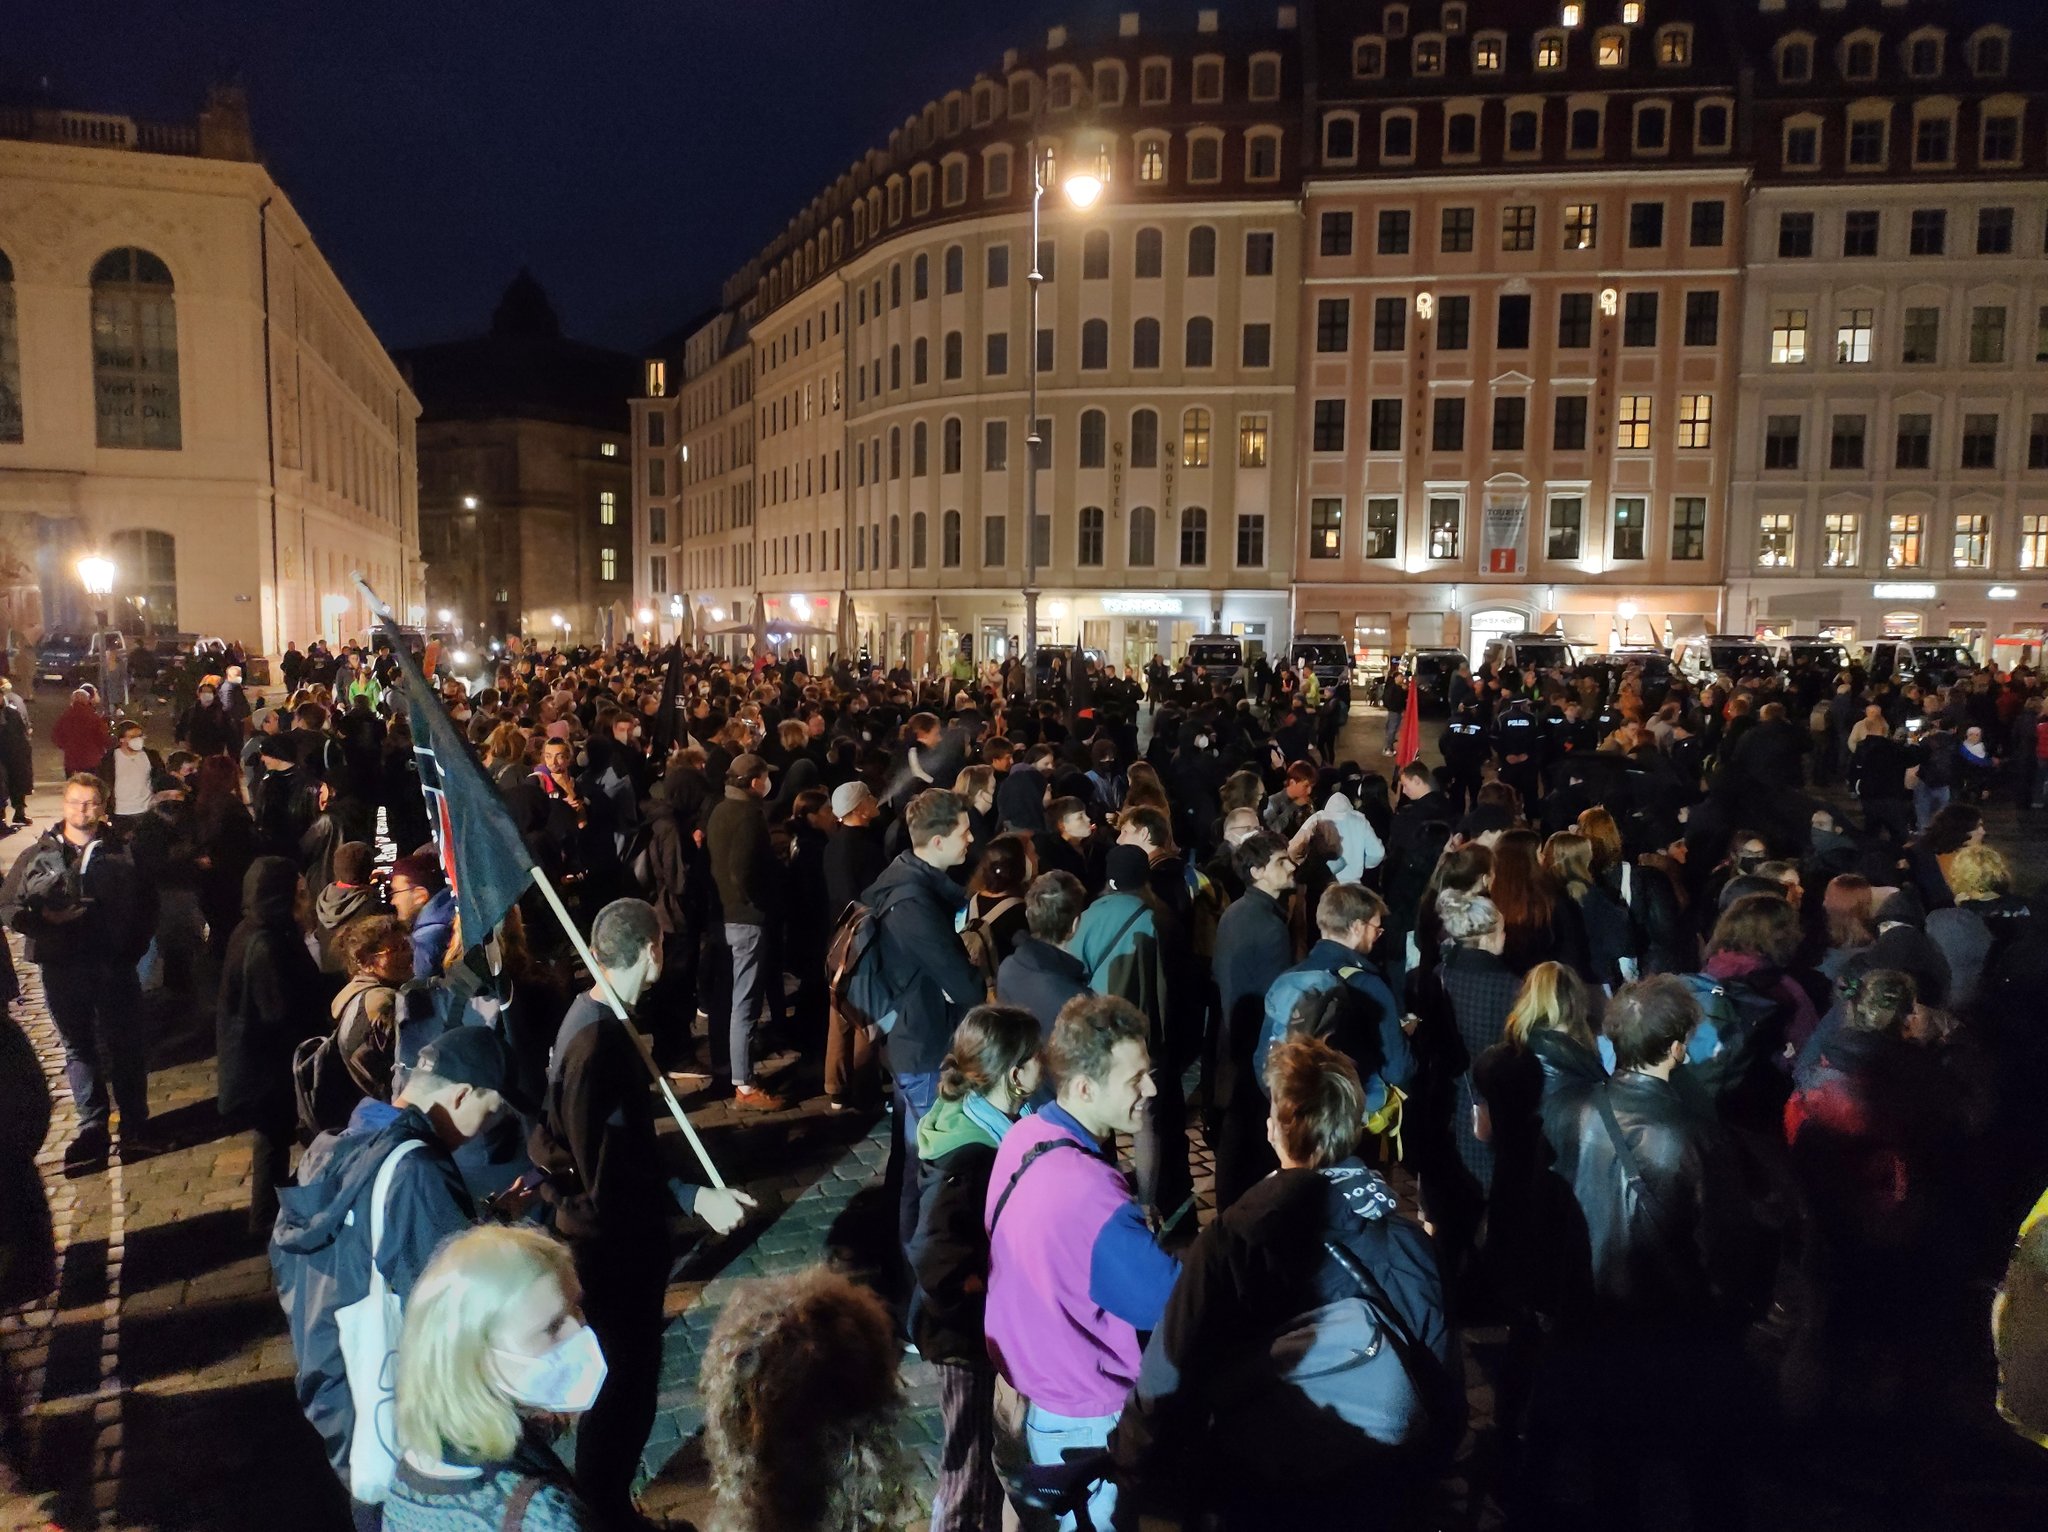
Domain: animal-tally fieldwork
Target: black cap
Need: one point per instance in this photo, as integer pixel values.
(475, 1055)
(1127, 868)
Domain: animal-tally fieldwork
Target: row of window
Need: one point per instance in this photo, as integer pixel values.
(1926, 232)
(1141, 447)
(1451, 318)
(1653, 130)
(1907, 545)
(1913, 441)
(1379, 527)
(1919, 335)
(1429, 54)
(1803, 137)
(1578, 228)
(1921, 55)
(1634, 419)
(134, 338)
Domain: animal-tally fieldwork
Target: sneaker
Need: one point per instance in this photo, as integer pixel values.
(751, 1098)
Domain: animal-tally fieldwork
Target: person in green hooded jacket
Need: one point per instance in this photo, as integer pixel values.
(990, 1072)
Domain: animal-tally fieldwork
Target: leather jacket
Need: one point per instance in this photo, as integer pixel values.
(1671, 1236)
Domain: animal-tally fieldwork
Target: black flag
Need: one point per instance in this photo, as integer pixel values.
(486, 860)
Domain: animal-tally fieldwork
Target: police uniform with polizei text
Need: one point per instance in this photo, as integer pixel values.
(1518, 737)
(1465, 747)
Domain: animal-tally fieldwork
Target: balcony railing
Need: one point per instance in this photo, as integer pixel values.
(97, 130)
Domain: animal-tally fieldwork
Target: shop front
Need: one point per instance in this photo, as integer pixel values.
(1381, 621)
(2005, 622)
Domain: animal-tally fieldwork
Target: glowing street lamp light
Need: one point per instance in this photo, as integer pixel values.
(1083, 191)
(646, 616)
(469, 502)
(96, 573)
(445, 615)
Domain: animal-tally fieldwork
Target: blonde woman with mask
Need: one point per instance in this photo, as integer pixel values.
(494, 1355)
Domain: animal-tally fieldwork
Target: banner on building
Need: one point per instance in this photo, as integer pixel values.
(1501, 532)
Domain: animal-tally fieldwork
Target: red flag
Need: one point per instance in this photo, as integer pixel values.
(1408, 743)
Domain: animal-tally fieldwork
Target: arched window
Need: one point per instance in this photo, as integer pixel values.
(1095, 344)
(1194, 537)
(1194, 439)
(895, 452)
(956, 269)
(1148, 254)
(1201, 251)
(1095, 255)
(1201, 346)
(921, 277)
(949, 539)
(1145, 439)
(10, 357)
(1145, 343)
(1088, 552)
(134, 351)
(146, 575)
(1144, 536)
(1094, 439)
(895, 542)
(919, 551)
(949, 445)
(919, 441)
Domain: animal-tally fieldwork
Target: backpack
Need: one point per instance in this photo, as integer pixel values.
(324, 1086)
(1383, 1100)
(979, 938)
(1345, 1382)
(1731, 1036)
(858, 986)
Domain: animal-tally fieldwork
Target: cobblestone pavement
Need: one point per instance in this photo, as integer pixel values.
(160, 1376)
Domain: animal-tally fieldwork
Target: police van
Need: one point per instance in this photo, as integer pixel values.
(1706, 657)
(1325, 654)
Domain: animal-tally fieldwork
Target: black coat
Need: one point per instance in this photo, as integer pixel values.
(949, 1257)
(271, 995)
(1040, 978)
(853, 860)
(915, 905)
(120, 905)
(742, 858)
(1673, 1249)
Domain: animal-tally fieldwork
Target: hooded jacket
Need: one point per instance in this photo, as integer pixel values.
(270, 994)
(320, 1248)
(1261, 1265)
(431, 929)
(338, 904)
(1360, 848)
(1119, 943)
(956, 1146)
(914, 906)
(1041, 978)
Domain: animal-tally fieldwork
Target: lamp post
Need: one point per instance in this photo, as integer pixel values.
(1082, 192)
(96, 574)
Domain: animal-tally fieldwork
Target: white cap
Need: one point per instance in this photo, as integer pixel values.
(848, 796)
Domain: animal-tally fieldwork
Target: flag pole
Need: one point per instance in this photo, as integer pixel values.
(611, 998)
(604, 984)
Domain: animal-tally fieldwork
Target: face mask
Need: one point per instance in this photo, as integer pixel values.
(206, 696)
(135, 744)
(1201, 742)
(563, 1381)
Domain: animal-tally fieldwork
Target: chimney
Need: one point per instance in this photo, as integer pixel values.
(1009, 59)
(224, 132)
(1205, 21)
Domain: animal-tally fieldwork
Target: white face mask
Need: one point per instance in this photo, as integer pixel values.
(135, 743)
(562, 1381)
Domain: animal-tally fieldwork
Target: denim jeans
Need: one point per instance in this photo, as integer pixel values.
(913, 1095)
(746, 943)
(1927, 802)
(97, 1008)
(1030, 1440)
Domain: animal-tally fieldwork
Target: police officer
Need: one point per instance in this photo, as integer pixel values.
(1518, 737)
(1465, 749)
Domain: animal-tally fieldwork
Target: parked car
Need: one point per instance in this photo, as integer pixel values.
(1706, 657)
(1325, 654)
(1936, 660)
(68, 657)
(1431, 671)
(1823, 653)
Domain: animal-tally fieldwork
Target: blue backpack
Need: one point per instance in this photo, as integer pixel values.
(1382, 1101)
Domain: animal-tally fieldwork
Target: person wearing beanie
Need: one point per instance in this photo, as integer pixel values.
(349, 894)
(854, 857)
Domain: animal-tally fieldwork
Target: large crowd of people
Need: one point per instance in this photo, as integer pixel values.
(1619, 1034)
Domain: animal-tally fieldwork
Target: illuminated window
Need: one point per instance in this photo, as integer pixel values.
(1610, 51)
(607, 508)
(1695, 420)
(1631, 519)
(607, 563)
(1251, 441)
(1902, 542)
(1326, 528)
(1550, 51)
(1852, 336)
(1631, 13)
(1774, 540)
(1674, 47)
(1633, 428)
(1788, 337)
(607, 449)
(1446, 512)
(1487, 54)
(1518, 228)
(1841, 540)
(1972, 544)
(2034, 542)
(1194, 439)
(1581, 225)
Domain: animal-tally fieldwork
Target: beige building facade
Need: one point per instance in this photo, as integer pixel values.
(192, 392)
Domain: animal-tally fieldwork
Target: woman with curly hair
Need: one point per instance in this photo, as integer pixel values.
(802, 1406)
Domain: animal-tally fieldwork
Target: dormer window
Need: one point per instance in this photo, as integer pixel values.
(1572, 15)
(1550, 50)
(1610, 50)
(1987, 55)
(1795, 60)
(1923, 55)
(1934, 141)
(1711, 125)
(1489, 53)
(952, 115)
(984, 105)
(1395, 21)
(1454, 19)
(1208, 79)
(1151, 161)
(1109, 84)
(1265, 78)
(1020, 96)
(1461, 135)
(1340, 138)
(1397, 136)
(1859, 58)
(1368, 58)
(1632, 13)
(1059, 90)
(1429, 55)
(1674, 47)
(1802, 144)
(2000, 144)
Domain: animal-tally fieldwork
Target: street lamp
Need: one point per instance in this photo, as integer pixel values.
(469, 502)
(96, 574)
(1083, 192)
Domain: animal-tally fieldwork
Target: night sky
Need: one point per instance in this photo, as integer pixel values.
(633, 153)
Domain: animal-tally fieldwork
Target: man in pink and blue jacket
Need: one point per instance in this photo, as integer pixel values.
(1075, 1275)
